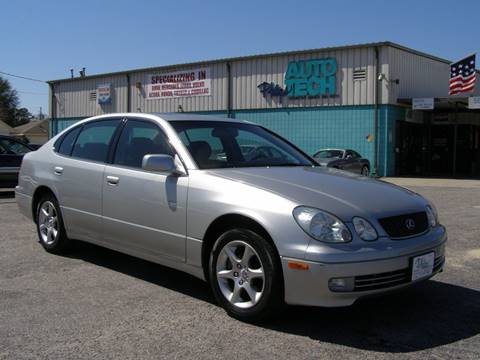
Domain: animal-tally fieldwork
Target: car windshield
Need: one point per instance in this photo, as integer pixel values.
(215, 144)
(325, 154)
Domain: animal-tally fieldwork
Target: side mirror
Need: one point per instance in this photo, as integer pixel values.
(160, 163)
(348, 157)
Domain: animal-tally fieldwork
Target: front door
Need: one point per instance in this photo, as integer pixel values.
(144, 212)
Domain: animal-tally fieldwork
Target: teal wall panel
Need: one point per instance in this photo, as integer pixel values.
(315, 128)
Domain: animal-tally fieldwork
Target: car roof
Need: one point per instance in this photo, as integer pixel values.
(330, 149)
(196, 117)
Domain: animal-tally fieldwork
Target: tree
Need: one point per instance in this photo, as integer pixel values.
(8, 102)
(9, 111)
(22, 116)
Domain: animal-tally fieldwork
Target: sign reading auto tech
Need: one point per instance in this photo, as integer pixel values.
(176, 84)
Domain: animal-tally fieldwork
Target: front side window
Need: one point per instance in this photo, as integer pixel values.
(94, 139)
(329, 154)
(138, 139)
(215, 144)
(12, 147)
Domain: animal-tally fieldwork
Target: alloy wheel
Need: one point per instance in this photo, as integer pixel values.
(48, 223)
(240, 274)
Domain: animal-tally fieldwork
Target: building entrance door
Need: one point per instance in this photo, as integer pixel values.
(440, 150)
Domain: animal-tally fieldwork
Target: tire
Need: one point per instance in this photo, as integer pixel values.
(50, 228)
(251, 285)
(365, 171)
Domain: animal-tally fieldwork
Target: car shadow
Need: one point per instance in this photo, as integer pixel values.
(425, 316)
(141, 269)
(428, 315)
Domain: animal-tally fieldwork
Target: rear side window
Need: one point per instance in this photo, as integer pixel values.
(138, 139)
(68, 140)
(93, 141)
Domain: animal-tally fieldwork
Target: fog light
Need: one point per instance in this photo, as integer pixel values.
(341, 284)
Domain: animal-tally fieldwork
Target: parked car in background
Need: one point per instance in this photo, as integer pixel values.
(12, 151)
(344, 159)
(263, 229)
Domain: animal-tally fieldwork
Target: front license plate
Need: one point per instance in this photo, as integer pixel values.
(422, 266)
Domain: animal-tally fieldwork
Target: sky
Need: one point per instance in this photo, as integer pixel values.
(45, 39)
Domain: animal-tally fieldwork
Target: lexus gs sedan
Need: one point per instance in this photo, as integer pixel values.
(344, 159)
(263, 231)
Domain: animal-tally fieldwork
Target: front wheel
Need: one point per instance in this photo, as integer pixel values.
(245, 275)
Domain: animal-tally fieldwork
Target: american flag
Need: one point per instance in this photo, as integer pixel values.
(462, 75)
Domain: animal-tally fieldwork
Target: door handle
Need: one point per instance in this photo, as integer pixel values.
(58, 170)
(112, 180)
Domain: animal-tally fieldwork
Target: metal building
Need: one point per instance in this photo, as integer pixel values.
(356, 97)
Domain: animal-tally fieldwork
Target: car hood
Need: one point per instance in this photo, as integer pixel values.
(341, 193)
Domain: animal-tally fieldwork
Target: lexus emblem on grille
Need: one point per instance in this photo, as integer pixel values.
(410, 224)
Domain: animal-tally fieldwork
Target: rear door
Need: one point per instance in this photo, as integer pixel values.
(144, 212)
(78, 176)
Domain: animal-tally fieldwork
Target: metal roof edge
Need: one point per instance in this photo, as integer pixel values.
(249, 57)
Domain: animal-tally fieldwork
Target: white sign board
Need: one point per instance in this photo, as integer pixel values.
(177, 84)
(474, 102)
(422, 104)
(104, 94)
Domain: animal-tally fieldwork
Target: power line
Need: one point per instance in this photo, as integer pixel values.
(30, 92)
(22, 77)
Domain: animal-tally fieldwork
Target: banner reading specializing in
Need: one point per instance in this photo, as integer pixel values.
(179, 84)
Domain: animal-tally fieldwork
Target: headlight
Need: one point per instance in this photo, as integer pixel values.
(321, 225)
(364, 229)
(432, 215)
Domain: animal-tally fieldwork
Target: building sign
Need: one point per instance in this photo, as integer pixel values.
(423, 104)
(474, 102)
(176, 84)
(311, 78)
(305, 78)
(104, 94)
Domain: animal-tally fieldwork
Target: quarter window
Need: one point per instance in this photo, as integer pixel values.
(68, 140)
(94, 139)
(138, 139)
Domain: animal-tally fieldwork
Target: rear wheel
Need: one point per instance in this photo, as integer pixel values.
(245, 275)
(365, 171)
(51, 231)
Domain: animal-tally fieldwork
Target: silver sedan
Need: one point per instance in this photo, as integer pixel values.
(264, 230)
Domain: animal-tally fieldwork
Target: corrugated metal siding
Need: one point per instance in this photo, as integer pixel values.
(72, 98)
(216, 101)
(248, 74)
(419, 76)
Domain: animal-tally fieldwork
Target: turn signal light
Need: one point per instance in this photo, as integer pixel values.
(296, 265)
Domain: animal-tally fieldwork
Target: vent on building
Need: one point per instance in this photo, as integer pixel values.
(92, 96)
(359, 74)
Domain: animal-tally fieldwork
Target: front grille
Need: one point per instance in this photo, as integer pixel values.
(398, 226)
(390, 278)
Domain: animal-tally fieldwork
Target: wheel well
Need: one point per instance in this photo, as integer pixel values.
(228, 222)
(39, 192)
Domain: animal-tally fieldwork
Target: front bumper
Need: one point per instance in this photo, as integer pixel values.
(310, 287)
